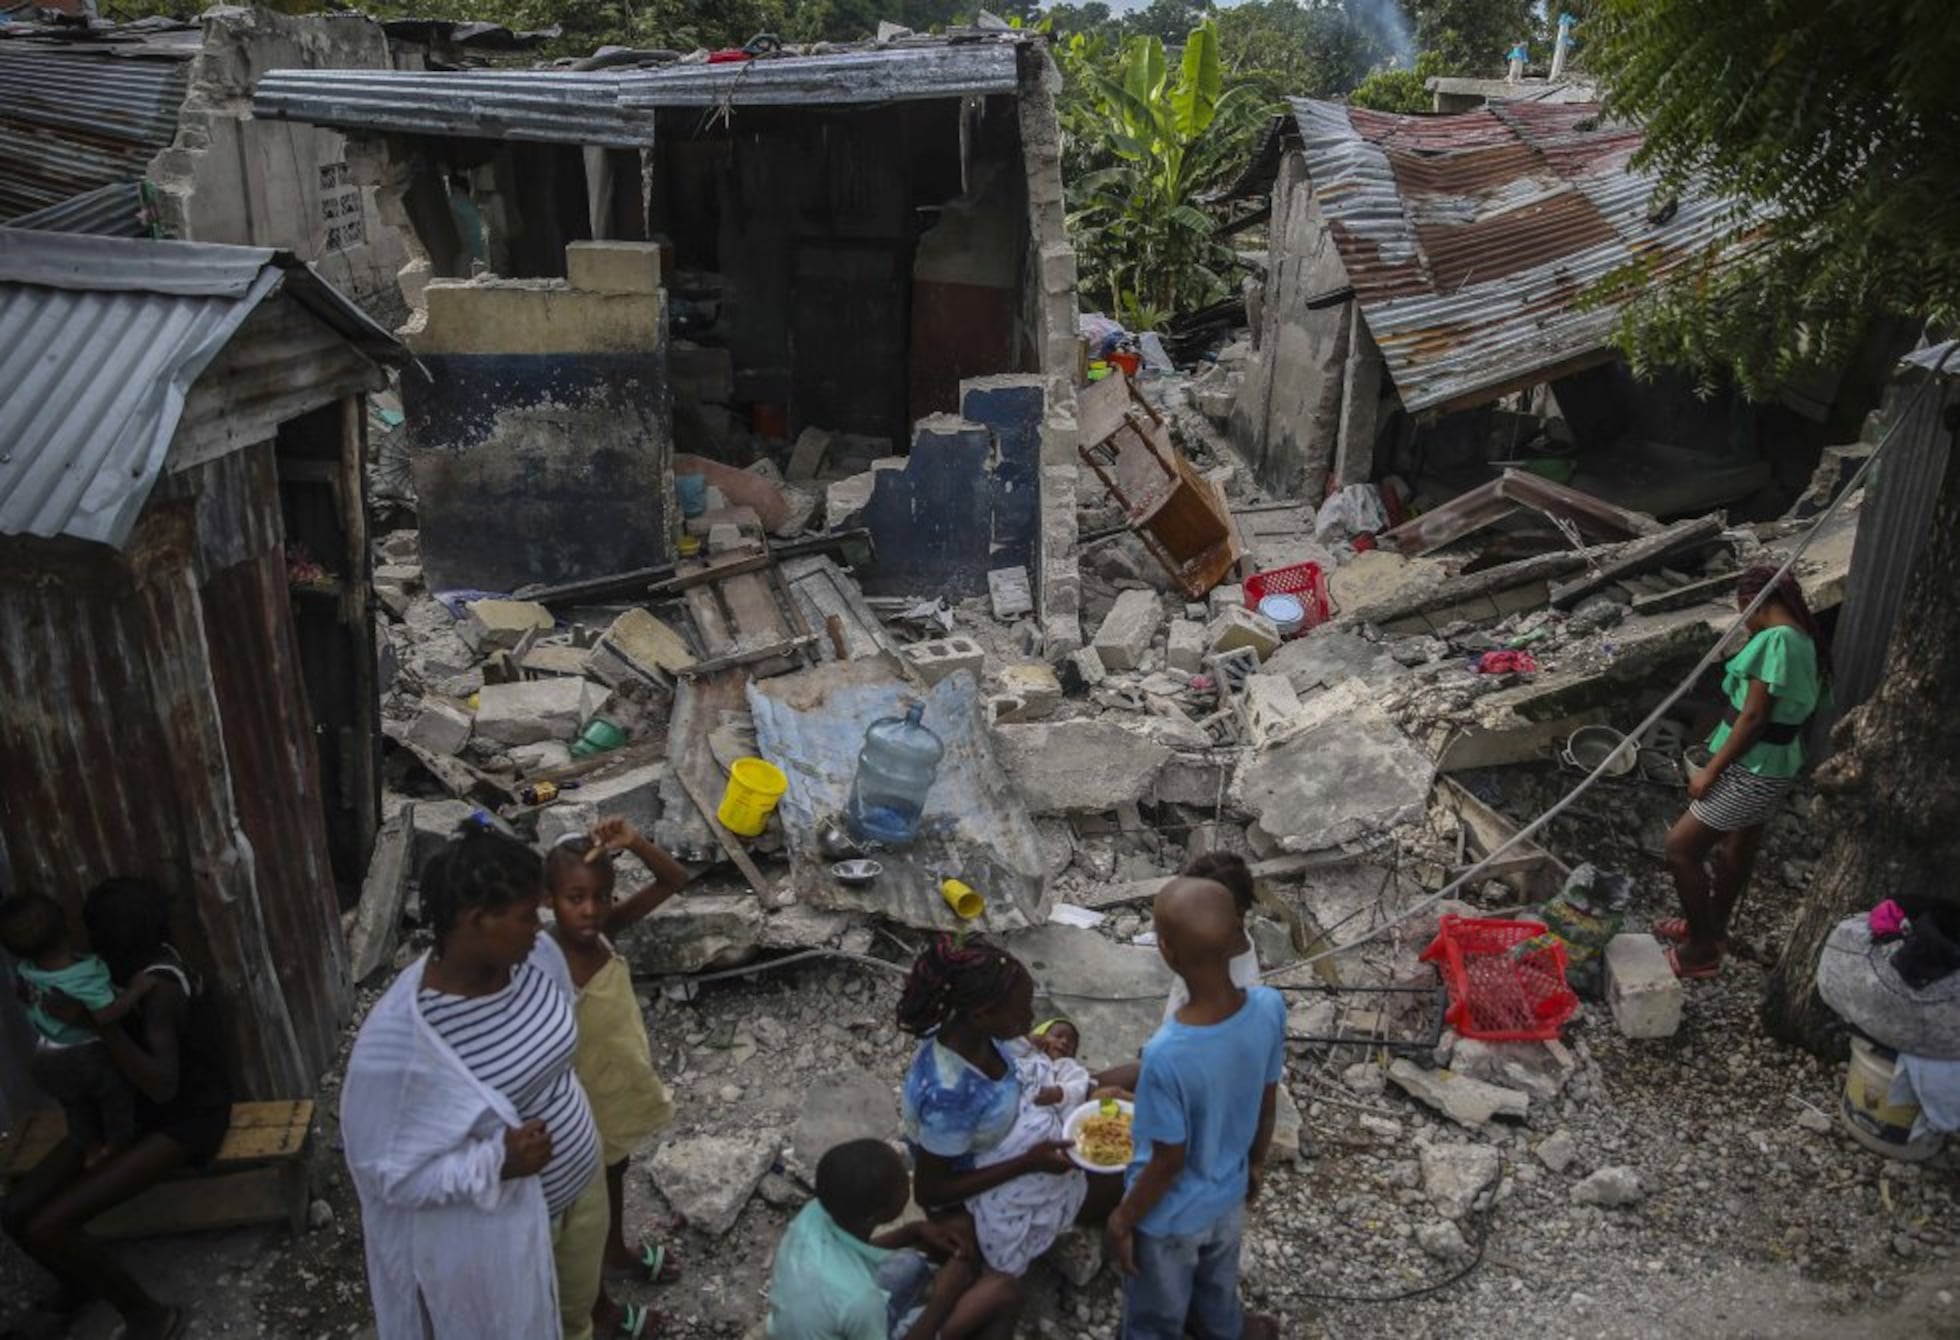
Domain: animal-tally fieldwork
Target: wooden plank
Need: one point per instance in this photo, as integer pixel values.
(377, 920)
(698, 705)
(752, 606)
(259, 1133)
(705, 608)
(199, 1204)
(788, 647)
(1680, 597)
(706, 573)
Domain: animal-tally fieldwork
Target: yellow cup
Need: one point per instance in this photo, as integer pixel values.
(754, 787)
(966, 903)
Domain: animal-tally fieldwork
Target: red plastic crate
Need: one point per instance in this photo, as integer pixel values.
(1304, 580)
(1499, 992)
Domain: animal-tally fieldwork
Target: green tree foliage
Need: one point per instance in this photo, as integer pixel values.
(1471, 37)
(1306, 50)
(1400, 90)
(1836, 128)
(1141, 238)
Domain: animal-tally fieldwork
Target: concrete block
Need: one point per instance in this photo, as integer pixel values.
(1222, 598)
(530, 759)
(556, 659)
(1232, 668)
(1078, 766)
(806, 458)
(538, 709)
(1011, 592)
(498, 625)
(633, 795)
(1268, 708)
(1236, 626)
(1184, 650)
(1035, 685)
(725, 537)
(440, 728)
(1058, 274)
(639, 646)
(1088, 665)
(941, 657)
(613, 267)
(1127, 629)
(1641, 990)
(1192, 779)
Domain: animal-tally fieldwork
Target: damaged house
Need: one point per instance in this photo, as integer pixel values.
(187, 658)
(673, 268)
(1428, 314)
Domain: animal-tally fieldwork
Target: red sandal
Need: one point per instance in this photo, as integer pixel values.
(1692, 972)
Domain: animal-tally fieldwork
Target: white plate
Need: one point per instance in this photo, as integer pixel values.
(1074, 1123)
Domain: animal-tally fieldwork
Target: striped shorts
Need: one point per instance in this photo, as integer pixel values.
(1740, 799)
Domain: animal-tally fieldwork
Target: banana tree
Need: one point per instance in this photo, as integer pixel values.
(1138, 230)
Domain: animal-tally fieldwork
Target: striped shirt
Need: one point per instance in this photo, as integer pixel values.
(520, 1042)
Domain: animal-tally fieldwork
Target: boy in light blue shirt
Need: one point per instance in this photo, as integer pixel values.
(1204, 1117)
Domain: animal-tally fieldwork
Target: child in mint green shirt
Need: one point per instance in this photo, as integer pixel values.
(70, 1062)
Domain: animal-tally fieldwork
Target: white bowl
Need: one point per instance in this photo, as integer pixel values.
(1093, 1108)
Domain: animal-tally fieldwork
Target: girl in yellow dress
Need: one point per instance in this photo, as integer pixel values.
(614, 1060)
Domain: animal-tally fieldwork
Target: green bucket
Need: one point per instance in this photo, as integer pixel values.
(598, 736)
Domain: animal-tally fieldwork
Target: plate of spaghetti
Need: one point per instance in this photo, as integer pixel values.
(1099, 1132)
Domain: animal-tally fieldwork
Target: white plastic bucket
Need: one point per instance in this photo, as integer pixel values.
(1869, 1114)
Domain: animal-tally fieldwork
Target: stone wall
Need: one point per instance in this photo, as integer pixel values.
(231, 178)
(543, 441)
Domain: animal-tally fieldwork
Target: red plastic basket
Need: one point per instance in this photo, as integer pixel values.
(1501, 990)
(1304, 580)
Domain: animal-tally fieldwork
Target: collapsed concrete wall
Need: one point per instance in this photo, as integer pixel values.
(230, 178)
(543, 442)
(1310, 404)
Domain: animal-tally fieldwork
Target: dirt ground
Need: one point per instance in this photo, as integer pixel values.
(1760, 1218)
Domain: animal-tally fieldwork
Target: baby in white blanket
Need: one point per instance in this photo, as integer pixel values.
(1019, 1220)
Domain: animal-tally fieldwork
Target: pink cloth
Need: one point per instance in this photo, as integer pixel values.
(1504, 662)
(1888, 918)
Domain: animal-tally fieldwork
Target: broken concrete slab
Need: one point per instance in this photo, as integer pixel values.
(1268, 708)
(800, 926)
(377, 919)
(435, 822)
(1034, 685)
(1289, 1129)
(1344, 772)
(847, 1104)
(564, 818)
(707, 1179)
(1236, 626)
(1454, 1175)
(806, 458)
(1124, 637)
(545, 755)
(845, 500)
(1526, 1066)
(440, 727)
(539, 709)
(632, 794)
(1468, 1102)
(499, 625)
(1088, 666)
(1078, 766)
(1328, 656)
(1079, 971)
(695, 933)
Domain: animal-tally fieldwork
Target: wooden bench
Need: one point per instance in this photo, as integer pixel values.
(259, 1176)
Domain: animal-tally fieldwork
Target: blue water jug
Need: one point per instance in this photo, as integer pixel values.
(895, 770)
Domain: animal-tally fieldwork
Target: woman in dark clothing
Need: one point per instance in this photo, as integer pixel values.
(169, 1050)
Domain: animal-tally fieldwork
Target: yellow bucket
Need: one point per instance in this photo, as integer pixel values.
(754, 787)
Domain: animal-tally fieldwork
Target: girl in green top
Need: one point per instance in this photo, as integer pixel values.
(1773, 685)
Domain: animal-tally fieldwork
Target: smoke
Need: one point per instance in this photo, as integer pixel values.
(1385, 23)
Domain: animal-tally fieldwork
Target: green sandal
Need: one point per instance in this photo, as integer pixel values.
(633, 1325)
(653, 1266)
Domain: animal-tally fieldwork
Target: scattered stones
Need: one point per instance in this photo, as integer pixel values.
(944, 656)
(1128, 628)
(1077, 1256)
(1443, 1240)
(539, 709)
(1609, 1187)
(1454, 1175)
(1515, 1065)
(1641, 989)
(709, 1178)
(319, 1215)
(1557, 1151)
(1468, 1102)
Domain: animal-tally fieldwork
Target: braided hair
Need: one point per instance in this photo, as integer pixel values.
(1754, 581)
(569, 853)
(952, 978)
(477, 870)
(1227, 868)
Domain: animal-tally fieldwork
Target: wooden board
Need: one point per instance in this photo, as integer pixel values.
(259, 1133)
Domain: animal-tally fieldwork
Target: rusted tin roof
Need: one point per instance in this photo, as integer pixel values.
(618, 107)
(105, 337)
(1469, 239)
(74, 118)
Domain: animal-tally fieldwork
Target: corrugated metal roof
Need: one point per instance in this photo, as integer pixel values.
(72, 120)
(617, 107)
(108, 211)
(106, 336)
(1470, 238)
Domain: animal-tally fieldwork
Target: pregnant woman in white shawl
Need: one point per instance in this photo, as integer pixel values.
(456, 1182)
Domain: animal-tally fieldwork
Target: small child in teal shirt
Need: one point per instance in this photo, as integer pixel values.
(70, 1063)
